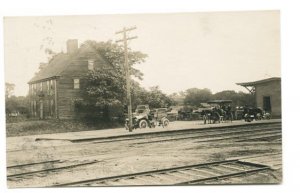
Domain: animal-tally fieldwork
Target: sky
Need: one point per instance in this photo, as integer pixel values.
(211, 50)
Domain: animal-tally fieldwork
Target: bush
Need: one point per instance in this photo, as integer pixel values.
(37, 127)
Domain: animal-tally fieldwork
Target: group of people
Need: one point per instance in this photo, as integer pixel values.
(217, 114)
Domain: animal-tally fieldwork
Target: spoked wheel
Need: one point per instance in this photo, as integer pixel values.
(166, 123)
(143, 124)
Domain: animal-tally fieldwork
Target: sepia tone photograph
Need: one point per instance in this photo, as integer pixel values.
(170, 99)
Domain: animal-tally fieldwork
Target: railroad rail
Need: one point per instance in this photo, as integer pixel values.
(184, 175)
(237, 135)
(162, 136)
(31, 164)
(251, 133)
(17, 172)
(182, 134)
(164, 133)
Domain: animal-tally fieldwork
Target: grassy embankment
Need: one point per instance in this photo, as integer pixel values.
(36, 127)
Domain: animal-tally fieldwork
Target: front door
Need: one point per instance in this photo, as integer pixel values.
(267, 103)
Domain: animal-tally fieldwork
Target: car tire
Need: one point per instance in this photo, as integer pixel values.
(143, 124)
(166, 123)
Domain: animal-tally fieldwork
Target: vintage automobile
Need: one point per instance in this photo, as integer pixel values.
(255, 113)
(144, 117)
(220, 111)
(140, 118)
(172, 113)
(239, 112)
(252, 113)
(160, 116)
(185, 113)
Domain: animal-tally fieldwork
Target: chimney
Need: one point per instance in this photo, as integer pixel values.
(72, 46)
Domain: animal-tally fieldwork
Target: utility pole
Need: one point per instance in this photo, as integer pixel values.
(127, 72)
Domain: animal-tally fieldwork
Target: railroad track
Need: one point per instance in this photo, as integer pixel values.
(251, 133)
(238, 136)
(186, 175)
(174, 133)
(40, 169)
(214, 133)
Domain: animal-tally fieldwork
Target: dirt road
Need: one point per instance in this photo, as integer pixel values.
(96, 159)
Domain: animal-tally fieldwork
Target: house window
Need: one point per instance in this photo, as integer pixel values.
(91, 64)
(76, 83)
(41, 86)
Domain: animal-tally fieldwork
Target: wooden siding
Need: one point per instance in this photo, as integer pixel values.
(273, 90)
(42, 100)
(66, 93)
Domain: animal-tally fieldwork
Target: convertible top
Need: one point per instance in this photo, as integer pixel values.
(219, 101)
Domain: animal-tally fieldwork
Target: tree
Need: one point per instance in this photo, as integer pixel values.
(177, 98)
(17, 104)
(9, 90)
(238, 98)
(196, 96)
(226, 95)
(106, 90)
(157, 99)
(42, 66)
(50, 53)
(139, 95)
(114, 55)
(245, 99)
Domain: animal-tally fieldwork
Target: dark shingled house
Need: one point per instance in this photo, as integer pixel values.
(54, 88)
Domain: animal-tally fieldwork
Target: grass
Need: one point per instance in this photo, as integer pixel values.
(37, 127)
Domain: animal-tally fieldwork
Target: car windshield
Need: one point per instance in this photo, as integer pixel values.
(140, 110)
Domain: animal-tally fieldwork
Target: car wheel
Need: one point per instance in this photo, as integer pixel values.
(166, 123)
(143, 124)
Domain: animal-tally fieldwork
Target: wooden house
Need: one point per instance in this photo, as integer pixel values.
(55, 88)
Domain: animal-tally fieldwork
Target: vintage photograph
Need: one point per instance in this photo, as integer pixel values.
(143, 99)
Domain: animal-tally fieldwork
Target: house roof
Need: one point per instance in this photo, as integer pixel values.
(61, 61)
(254, 83)
(54, 68)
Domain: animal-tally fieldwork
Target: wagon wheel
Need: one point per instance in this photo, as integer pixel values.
(143, 124)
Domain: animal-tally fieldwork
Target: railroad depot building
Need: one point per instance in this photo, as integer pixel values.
(55, 88)
(267, 94)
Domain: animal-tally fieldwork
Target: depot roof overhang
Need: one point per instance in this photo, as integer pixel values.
(254, 83)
